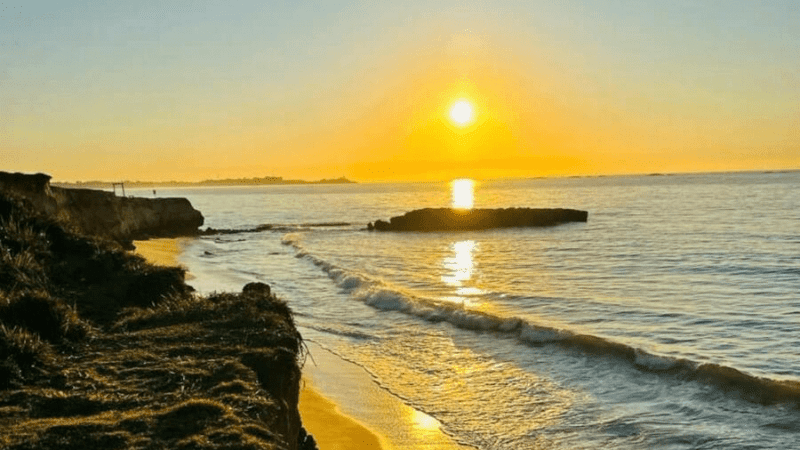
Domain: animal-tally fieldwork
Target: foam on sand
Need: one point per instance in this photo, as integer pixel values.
(353, 391)
(383, 296)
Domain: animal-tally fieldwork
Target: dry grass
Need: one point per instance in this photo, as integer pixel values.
(101, 350)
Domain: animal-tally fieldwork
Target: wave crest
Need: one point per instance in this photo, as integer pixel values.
(379, 295)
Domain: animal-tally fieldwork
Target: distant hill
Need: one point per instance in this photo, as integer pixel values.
(255, 181)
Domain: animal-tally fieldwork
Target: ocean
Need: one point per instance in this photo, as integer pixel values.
(670, 320)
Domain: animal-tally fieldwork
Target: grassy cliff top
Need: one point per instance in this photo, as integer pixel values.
(100, 349)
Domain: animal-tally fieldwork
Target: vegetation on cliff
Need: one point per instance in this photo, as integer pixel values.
(102, 213)
(100, 349)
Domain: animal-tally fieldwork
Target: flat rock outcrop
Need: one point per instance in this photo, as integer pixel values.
(449, 219)
(103, 213)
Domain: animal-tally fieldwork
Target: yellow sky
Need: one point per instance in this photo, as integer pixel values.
(304, 91)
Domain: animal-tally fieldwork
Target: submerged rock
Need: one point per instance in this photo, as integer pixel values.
(448, 219)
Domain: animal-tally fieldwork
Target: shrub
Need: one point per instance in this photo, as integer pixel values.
(39, 313)
(20, 352)
(20, 271)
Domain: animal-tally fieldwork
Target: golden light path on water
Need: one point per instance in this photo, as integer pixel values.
(460, 265)
(463, 193)
(459, 270)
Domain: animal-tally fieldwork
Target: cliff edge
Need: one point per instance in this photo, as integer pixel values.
(103, 213)
(99, 349)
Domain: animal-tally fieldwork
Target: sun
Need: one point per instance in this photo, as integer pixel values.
(462, 112)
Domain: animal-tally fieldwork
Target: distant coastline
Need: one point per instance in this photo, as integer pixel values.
(255, 181)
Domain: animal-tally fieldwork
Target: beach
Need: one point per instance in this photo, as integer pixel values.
(350, 389)
(631, 330)
(162, 251)
(582, 335)
(486, 225)
(330, 428)
(340, 405)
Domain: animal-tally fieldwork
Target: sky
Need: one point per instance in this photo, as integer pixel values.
(193, 90)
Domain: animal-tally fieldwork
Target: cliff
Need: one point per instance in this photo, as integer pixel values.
(101, 350)
(103, 213)
(447, 219)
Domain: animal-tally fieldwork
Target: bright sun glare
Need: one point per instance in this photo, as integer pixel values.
(462, 112)
(463, 195)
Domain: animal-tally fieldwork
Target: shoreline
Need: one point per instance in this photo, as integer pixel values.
(340, 404)
(320, 415)
(333, 430)
(351, 388)
(163, 252)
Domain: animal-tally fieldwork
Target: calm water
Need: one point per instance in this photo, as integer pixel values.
(669, 320)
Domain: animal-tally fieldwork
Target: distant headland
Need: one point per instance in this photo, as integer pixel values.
(255, 181)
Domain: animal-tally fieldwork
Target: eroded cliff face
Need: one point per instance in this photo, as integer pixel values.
(104, 213)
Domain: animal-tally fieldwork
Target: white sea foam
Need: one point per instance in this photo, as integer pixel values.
(540, 335)
(650, 361)
(381, 295)
(386, 300)
(292, 239)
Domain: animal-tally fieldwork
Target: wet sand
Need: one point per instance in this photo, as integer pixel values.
(354, 392)
(331, 429)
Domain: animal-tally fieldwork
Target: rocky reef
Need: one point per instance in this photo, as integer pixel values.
(449, 219)
(103, 213)
(101, 350)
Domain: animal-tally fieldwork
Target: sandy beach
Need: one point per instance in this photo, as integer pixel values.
(340, 404)
(331, 429)
(353, 392)
(321, 417)
(162, 251)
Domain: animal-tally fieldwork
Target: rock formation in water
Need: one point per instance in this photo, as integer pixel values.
(103, 213)
(448, 219)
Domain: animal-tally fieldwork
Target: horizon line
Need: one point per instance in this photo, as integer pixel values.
(280, 180)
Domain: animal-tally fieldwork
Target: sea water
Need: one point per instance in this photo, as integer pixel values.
(671, 319)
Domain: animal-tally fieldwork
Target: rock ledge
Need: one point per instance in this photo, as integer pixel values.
(103, 213)
(449, 219)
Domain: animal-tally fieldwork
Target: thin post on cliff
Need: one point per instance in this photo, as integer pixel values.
(121, 185)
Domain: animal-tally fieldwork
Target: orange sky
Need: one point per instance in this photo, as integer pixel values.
(308, 92)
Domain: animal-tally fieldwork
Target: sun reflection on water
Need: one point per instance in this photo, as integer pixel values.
(461, 265)
(423, 422)
(463, 193)
(459, 270)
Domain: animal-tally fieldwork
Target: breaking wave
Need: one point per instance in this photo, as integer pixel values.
(380, 295)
